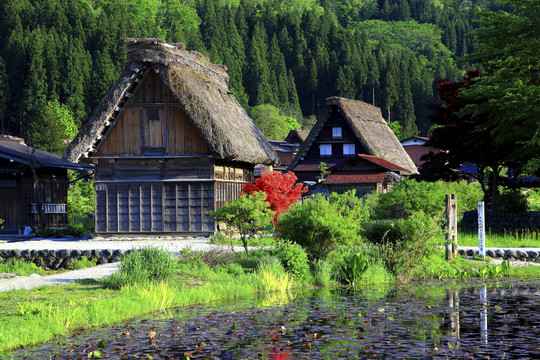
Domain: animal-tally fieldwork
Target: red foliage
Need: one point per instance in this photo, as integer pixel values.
(281, 191)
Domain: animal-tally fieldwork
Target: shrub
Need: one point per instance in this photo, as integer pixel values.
(144, 265)
(247, 214)
(293, 258)
(281, 190)
(409, 196)
(404, 242)
(81, 202)
(320, 225)
(512, 200)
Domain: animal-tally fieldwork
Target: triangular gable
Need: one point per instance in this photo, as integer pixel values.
(199, 87)
(370, 129)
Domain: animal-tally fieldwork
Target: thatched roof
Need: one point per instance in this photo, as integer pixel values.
(201, 89)
(369, 127)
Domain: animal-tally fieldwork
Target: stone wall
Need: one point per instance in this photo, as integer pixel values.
(506, 254)
(498, 220)
(61, 259)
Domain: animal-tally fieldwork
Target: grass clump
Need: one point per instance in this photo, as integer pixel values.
(82, 263)
(21, 268)
(141, 266)
(273, 275)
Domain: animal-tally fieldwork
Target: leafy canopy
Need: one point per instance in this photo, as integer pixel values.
(507, 91)
(281, 190)
(247, 214)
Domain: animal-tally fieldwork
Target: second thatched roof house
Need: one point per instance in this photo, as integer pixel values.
(349, 129)
(169, 143)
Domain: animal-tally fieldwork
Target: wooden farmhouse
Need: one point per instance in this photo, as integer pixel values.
(356, 146)
(169, 142)
(23, 170)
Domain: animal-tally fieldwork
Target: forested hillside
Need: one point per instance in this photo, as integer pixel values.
(60, 57)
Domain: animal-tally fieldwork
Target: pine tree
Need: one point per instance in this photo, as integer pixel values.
(14, 54)
(260, 91)
(4, 92)
(35, 90)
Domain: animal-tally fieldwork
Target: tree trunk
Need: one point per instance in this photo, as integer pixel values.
(37, 197)
(494, 189)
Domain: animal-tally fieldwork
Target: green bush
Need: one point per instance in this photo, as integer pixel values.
(247, 214)
(144, 265)
(61, 232)
(512, 200)
(81, 202)
(409, 196)
(293, 258)
(320, 224)
(404, 243)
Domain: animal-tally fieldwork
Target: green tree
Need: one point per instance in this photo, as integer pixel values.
(508, 91)
(247, 214)
(4, 92)
(268, 118)
(35, 90)
(55, 125)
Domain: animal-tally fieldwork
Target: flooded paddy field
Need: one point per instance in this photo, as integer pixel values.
(437, 320)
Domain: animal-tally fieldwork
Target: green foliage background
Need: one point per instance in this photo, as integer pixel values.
(290, 54)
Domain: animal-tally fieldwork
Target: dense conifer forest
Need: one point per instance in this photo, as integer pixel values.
(60, 57)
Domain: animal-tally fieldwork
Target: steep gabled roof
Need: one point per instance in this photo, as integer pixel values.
(299, 134)
(201, 89)
(382, 163)
(369, 127)
(17, 151)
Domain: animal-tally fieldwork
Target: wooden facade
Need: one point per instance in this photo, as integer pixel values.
(19, 205)
(154, 171)
(169, 143)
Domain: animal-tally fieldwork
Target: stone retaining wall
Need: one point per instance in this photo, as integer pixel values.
(61, 259)
(508, 254)
(499, 220)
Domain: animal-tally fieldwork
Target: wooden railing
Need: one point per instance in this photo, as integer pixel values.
(49, 208)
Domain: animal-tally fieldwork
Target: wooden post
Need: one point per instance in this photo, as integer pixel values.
(454, 225)
(451, 227)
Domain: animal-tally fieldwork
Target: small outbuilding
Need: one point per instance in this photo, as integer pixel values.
(169, 142)
(30, 177)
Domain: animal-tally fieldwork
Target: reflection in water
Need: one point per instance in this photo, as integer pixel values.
(411, 322)
(483, 313)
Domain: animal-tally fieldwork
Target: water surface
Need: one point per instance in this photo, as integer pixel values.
(476, 320)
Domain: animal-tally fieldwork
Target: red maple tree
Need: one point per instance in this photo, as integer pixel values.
(281, 190)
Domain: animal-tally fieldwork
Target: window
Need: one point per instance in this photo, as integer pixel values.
(153, 132)
(336, 132)
(348, 149)
(326, 150)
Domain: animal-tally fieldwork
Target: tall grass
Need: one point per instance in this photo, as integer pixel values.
(273, 275)
(504, 238)
(21, 267)
(144, 265)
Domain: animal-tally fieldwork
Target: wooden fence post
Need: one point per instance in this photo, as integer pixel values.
(451, 227)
